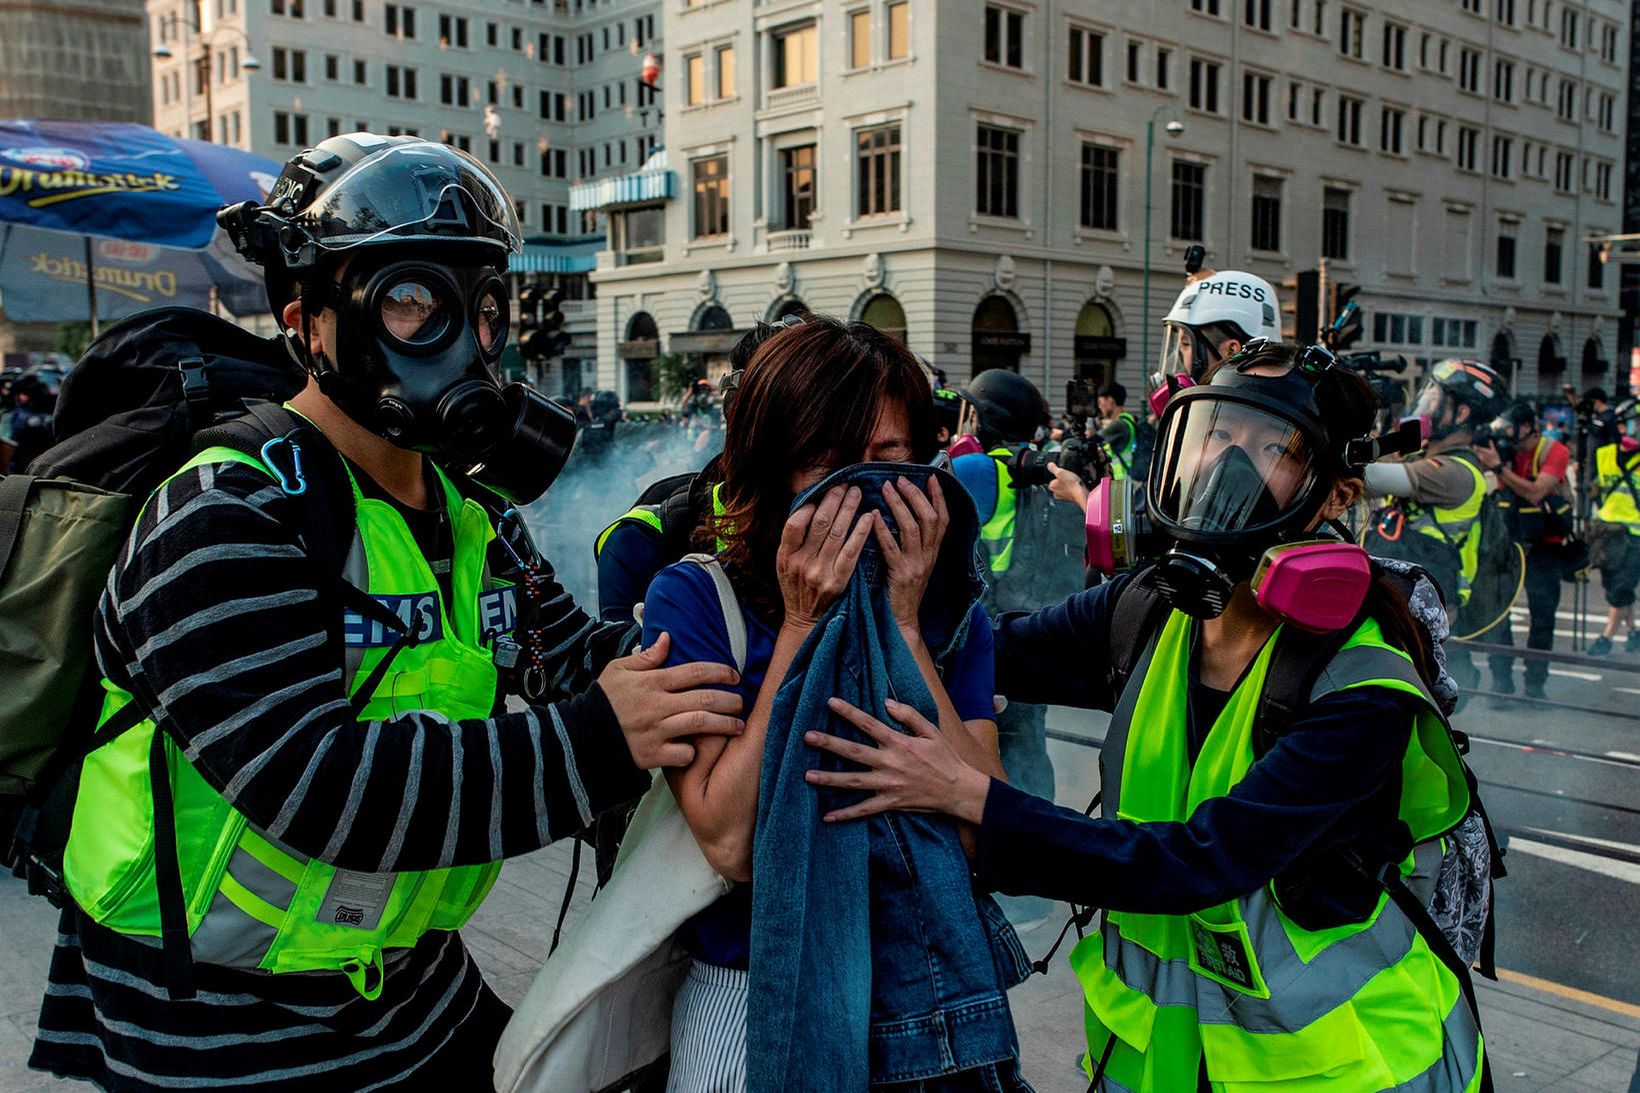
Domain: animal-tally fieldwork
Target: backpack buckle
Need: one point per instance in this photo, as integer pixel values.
(293, 481)
(196, 390)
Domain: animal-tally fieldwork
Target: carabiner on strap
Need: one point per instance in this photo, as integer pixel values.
(293, 482)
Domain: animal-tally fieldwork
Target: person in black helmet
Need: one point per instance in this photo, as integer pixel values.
(338, 777)
(1018, 532)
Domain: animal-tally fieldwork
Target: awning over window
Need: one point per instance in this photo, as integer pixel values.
(580, 256)
(653, 183)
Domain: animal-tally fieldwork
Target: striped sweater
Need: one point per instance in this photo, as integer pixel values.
(213, 613)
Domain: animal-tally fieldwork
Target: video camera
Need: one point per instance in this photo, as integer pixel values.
(1087, 459)
(1499, 437)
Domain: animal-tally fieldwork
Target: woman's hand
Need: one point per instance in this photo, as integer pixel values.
(919, 772)
(922, 520)
(818, 550)
(1068, 487)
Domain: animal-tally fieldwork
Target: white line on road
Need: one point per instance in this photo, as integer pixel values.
(1629, 755)
(1615, 760)
(1578, 859)
(1591, 840)
(1592, 677)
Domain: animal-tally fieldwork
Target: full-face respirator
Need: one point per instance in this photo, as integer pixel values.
(1242, 466)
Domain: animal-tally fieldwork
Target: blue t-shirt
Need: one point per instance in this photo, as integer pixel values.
(978, 474)
(683, 602)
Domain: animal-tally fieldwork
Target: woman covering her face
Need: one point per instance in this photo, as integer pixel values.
(816, 398)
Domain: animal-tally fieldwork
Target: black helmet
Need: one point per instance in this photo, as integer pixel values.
(1008, 404)
(1517, 413)
(1476, 385)
(363, 190)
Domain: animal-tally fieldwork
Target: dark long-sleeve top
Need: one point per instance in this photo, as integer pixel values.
(213, 614)
(1331, 782)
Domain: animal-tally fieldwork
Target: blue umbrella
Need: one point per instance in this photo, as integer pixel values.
(123, 211)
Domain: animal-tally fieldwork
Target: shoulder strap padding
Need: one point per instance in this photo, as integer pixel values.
(733, 622)
(1137, 615)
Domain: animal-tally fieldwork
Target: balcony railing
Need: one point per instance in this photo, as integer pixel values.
(782, 98)
(780, 241)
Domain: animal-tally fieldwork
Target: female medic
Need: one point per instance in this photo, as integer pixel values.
(1246, 852)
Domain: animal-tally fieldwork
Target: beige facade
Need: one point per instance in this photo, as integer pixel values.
(1450, 158)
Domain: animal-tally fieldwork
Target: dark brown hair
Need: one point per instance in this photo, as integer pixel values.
(811, 397)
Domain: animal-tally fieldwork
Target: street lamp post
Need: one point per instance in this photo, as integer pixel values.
(250, 64)
(1174, 128)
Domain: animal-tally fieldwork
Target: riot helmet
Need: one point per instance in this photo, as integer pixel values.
(1008, 405)
(1228, 306)
(1453, 383)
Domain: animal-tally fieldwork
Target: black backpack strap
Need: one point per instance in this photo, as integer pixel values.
(173, 901)
(1297, 662)
(14, 494)
(678, 518)
(1139, 612)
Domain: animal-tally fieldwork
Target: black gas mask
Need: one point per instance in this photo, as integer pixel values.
(417, 344)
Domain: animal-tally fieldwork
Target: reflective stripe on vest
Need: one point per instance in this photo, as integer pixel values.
(1458, 527)
(1617, 504)
(1239, 987)
(650, 516)
(998, 532)
(252, 901)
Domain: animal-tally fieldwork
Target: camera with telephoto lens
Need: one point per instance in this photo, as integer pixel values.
(1086, 459)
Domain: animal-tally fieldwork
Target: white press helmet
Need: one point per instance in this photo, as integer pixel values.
(1229, 304)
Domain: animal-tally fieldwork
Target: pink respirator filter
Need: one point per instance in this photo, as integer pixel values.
(966, 444)
(1317, 586)
(1160, 397)
(1099, 555)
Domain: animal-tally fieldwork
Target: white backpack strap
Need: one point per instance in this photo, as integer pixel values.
(733, 621)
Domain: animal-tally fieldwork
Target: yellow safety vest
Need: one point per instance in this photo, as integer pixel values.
(251, 900)
(1240, 989)
(1617, 504)
(997, 534)
(1459, 526)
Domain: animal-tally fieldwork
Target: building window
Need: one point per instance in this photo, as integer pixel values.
(1135, 55)
(1004, 36)
(452, 31)
(997, 190)
(1189, 200)
(1503, 81)
(1335, 223)
(1506, 250)
(1087, 57)
(290, 64)
(695, 79)
(859, 38)
(797, 179)
(1205, 7)
(1266, 213)
(1503, 152)
(456, 90)
(1390, 125)
(1349, 120)
(1099, 179)
(1469, 71)
(1554, 246)
(725, 72)
(1204, 85)
(1256, 14)
(1164, 63)
(1568, 27)
(401, 82)
(1468, 148)
(1352, 27)
(711, 178)
(1395, 46)
(877, 154)
(1597, 268)
(796, 56)
(290, 128)
(1255, 98)
(899, 30)
(359, 73)
(401, 21)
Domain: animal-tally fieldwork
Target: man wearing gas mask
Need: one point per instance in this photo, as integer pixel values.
(327, 776)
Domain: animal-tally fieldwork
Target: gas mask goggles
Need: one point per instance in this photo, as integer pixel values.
(1187, 354)
(417, 346)
(1242, 466)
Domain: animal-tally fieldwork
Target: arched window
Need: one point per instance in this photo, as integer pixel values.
(997, 341)
(714, 318)
(885, 313)
(638, 352)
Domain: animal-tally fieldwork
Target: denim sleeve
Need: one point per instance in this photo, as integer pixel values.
(683, 602)
(632, 556)
(1306, 791)
(1058, 654)
(970, 675)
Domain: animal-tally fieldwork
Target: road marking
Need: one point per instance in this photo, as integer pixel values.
(1629, 755)
(1627, 1009)
(1549, 747)
(1578, 859)
(1592, 677)
(1589, 839)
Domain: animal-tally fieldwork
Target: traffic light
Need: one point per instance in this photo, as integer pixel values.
(540, 322)
(1344, 316)
(1303, 289)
